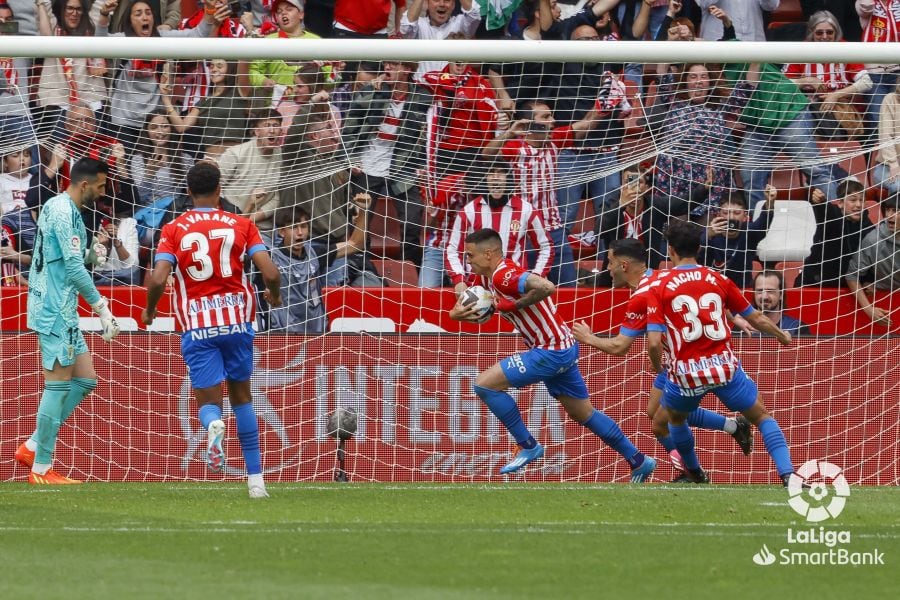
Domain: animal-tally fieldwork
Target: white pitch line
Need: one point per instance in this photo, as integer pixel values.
(624, 530)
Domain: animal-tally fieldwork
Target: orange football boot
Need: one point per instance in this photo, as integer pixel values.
(24, 456)
(51, 477)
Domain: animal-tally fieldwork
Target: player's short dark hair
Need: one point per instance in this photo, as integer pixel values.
(684, 237)
(481, 236)
(86, 169)
(288, 217)
(203, 178)
(629, 248)
(736, 198)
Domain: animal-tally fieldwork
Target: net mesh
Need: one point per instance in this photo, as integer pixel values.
(789, 176)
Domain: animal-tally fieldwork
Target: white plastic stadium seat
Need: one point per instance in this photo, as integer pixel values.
(790, 235)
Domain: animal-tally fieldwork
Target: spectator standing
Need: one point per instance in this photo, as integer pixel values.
(876, 266)
(65, 82)
(880, 21)
(840, 228)
(251, 172)
(355, 19)
(158, 168)
(450, 195)
(730, 239)
(275, 76)
(747, 16)
(515, 219)
(302, 311)
(635, 218)
(385, 132)
(532, 145)
(217, 121)
(886, 170)
(135, 91)
(167, 12)
(434, 20)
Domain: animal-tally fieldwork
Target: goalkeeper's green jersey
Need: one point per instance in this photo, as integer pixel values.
(58, 273)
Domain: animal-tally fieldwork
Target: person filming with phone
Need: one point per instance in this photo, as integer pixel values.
(731, 238)
(635, 217)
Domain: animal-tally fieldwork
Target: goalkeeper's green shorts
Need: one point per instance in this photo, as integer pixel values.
(61, 346)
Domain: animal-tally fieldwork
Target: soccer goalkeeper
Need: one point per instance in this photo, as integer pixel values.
(58, 275)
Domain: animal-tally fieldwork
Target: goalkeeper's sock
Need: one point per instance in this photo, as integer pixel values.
(684, 443)
(776, 445)
(48, 420)
(209, 413)
(607, 430)
(248, 435)
(706, 419)
(505, 408)
(666, 442)
(81, 387)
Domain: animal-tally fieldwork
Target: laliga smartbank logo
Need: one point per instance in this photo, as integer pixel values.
(818, 491)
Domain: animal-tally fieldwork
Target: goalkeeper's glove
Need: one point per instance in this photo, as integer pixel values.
(107, 320)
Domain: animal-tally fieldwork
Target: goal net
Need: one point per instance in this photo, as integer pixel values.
(364, 167)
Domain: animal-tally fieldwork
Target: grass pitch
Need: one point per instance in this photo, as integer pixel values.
(428, 541)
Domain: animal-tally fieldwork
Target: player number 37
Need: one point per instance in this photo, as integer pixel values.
(690, 309)
(197, 244)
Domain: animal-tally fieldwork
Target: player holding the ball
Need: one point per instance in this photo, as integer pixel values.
(524, 299)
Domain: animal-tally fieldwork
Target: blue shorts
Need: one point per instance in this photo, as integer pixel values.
(558, 369)
(660, 381)
(738, 395)
(214, 354)
(61, 346)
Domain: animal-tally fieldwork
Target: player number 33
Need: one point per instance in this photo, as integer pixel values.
(691, 309)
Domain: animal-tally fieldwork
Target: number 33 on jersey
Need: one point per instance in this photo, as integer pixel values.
(207, 248)
(689, 306)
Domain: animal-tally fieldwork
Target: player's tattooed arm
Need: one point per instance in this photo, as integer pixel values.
(536, 289)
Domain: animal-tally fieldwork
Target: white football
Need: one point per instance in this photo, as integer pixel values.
(482, 299)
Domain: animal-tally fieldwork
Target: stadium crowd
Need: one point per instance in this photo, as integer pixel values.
(315, 153)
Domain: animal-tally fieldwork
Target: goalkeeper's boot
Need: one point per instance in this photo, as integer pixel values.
(24, 456)
(743, 435)
(51, 477)
(521, 459)
(215, 455)
(692, 476)
(642, 473)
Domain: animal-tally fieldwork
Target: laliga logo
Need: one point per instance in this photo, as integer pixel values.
(818, 492)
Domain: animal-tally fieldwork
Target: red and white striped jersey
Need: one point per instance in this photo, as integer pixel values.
(539, 324)
(689, 304)
(207, 248)
(535, 171)
(516, 221)
(884, 24)
(635, 323)
(835, 76)
(449, 197)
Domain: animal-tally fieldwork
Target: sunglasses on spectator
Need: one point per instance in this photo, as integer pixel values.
(824, 32)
